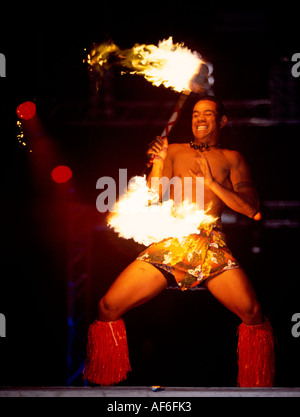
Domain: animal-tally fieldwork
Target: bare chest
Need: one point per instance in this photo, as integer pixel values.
(186, 160)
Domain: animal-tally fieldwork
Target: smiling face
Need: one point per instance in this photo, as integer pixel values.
(206, 123)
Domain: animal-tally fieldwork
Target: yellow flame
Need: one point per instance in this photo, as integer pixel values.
(172, 65)
(168, 64)
(138, 215)
(101, 53)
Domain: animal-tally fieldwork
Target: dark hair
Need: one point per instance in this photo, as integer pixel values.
(220, 106)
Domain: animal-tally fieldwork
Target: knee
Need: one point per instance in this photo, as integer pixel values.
(107, 310)
(252, 314)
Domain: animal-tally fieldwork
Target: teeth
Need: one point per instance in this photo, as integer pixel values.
(201, 127)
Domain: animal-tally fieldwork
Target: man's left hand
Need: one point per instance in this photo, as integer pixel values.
(204, 169)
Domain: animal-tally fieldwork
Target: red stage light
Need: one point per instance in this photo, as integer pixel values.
(61, 174)
(26, 110)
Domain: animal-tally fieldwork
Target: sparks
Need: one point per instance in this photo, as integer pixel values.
(21, 136)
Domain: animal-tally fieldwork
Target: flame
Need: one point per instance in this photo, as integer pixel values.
(138, 215)
(172, 65)
(101, 54)
(168, 64)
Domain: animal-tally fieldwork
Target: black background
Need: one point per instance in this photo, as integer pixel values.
(178, 339)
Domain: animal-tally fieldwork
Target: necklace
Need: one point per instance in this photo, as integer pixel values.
(203, 146)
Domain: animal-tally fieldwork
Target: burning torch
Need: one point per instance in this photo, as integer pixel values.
(169, 64)
(198, 84)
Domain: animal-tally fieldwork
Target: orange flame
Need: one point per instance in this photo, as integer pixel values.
(168, 64)
(172, 65)
(138, 215)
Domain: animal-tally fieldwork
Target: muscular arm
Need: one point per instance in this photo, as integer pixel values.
(242, 201)
(243, 197)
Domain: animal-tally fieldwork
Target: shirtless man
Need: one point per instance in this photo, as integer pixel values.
(227, 181)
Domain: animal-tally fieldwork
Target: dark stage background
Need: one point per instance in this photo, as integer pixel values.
(58, 257)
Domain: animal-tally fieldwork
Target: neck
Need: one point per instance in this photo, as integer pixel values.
(203, 146)
(211, 141)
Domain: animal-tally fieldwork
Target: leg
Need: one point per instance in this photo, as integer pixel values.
(137, 284)
(234, 290)
(256, 341)
(107, 360)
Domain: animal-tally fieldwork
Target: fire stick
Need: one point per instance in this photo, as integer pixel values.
(172, 121)
(199, 83)
(175, 115)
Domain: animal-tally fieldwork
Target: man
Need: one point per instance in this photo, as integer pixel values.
(200, 258)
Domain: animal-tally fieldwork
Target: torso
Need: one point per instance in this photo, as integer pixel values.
(183, 158)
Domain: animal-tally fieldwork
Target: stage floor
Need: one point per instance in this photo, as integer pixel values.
(178, 392)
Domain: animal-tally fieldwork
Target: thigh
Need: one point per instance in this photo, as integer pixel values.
(235, 291)
(138, 283)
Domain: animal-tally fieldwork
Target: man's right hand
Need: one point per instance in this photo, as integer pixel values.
(158, 150)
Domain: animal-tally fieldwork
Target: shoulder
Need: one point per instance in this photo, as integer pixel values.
(234, 158)
(178, 146)
(175, 148)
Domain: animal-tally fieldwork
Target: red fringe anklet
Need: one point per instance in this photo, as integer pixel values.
(256, 359)
(107, 360)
